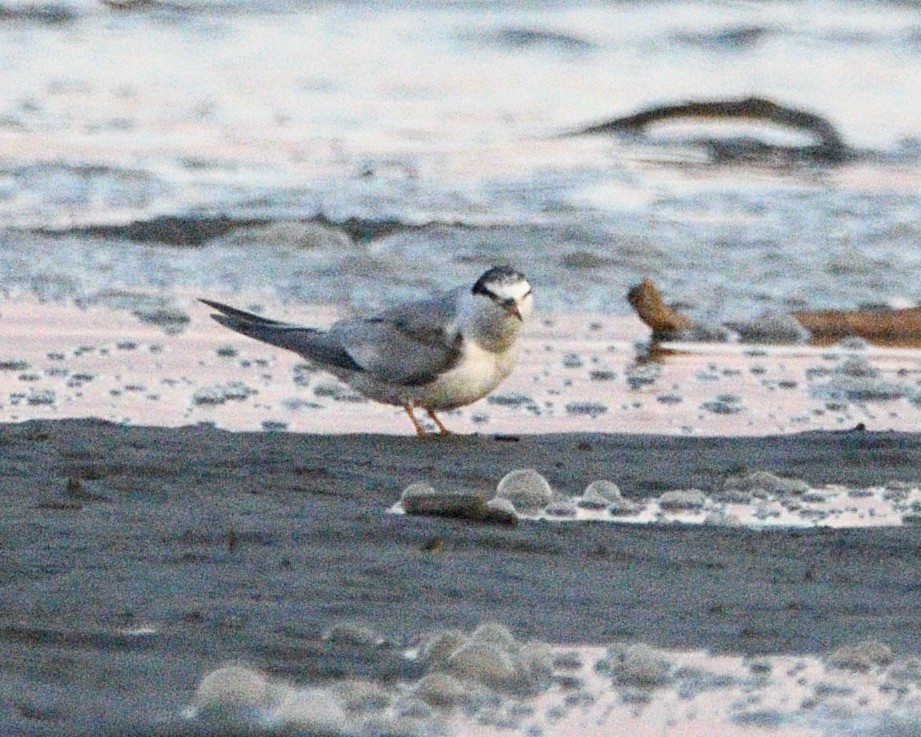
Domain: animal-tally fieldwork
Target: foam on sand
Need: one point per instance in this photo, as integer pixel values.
(759, 499)
(490, 683)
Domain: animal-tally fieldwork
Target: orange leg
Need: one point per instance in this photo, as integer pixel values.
(420, 431)
(441, 428)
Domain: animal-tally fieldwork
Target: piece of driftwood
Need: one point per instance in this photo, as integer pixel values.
(829, 147)
(665, 322)
(471, 507)
(882, 326)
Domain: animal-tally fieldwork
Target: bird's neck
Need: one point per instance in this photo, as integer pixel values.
(496, 337)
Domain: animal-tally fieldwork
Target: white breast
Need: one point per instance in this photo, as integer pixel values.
(477, 373)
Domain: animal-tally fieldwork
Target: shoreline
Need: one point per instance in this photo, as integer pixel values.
(144, 550)
(584, 372)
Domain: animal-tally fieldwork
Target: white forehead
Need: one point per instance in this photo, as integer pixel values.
(509, 288)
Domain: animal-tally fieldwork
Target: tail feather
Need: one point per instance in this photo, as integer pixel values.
(314, 345)
(238, 315)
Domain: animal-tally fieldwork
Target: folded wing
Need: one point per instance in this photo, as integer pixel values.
(314, 345)
(409, 345)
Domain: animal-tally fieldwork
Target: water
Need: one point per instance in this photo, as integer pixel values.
(442, 119)
(483, 685)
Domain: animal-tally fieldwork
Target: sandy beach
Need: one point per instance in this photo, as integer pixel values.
(580, 372)
(139, 558)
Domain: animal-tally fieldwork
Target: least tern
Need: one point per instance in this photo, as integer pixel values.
(436, 354)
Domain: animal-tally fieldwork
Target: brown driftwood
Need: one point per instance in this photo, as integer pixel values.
(892, 327)
(884, 326)
(649, 305)
(830, 146)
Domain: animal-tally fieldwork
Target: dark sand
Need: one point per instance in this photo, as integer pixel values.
(247, 546)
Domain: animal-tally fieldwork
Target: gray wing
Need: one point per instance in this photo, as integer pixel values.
(314, 345)
(409, 344)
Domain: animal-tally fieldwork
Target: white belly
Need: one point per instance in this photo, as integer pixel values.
(477, 373)
(475, 376)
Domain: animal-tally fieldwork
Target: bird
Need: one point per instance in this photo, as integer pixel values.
(439, 353)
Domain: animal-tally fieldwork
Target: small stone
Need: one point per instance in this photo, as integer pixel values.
(312, 710)
(442, 691)
(519, 401)
(37, 397)
(232, 690)
(353, 633)
(338, 393)
(857, 366)
(171, 319)
(602, 375)
(599, 494)
(722, 406)
(853, 343)
(861, 657)
(586, 409)
(417, 492)
(484, 662)
(603, 490)
(760, 666)
(502, 506)
(761, 484)
(422, 499)
(637, 665)
(498, 634)
(624, 508)
(237, 390)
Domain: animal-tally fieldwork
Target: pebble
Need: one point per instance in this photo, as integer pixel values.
(861, 656)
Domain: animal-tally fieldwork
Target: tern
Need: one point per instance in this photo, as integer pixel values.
(435, 354)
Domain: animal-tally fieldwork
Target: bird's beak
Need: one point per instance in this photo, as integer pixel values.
(512, 309)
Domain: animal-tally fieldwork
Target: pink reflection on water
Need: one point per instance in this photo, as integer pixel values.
(579, 372)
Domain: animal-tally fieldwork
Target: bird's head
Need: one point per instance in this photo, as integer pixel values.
(501, 300)
(507, 289)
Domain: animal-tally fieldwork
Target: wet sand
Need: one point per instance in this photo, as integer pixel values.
(585, 372)
(247, 546)
(141, 554)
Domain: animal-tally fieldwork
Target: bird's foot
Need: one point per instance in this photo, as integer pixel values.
(420, 431)
(442, 430)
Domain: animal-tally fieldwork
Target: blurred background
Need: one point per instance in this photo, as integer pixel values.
(356, 154)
